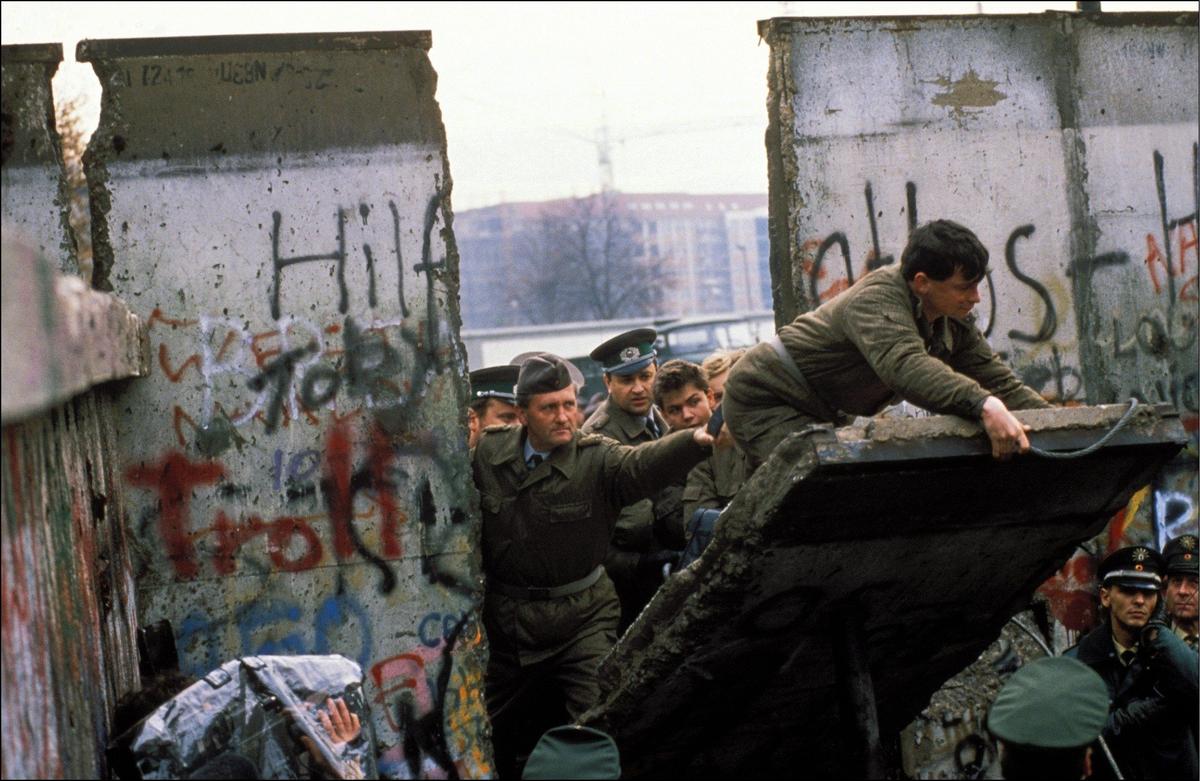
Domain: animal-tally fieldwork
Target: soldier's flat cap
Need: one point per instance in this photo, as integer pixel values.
(576, 375)
(1057, 702)
(1180, 556)
(573, 751)
(1134, 567)
(627, 353)
(495, 382)
(542, 373)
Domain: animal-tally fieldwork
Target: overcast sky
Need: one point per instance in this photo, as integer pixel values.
(526, 87)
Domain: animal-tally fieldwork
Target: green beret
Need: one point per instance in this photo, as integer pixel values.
(574, 752)
(627, 353)
(1180, 554)
(542, 373)
(495, 382)
(1133, 567)
(1057, 702)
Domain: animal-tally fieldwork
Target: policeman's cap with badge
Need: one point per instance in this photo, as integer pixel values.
(495, 382)
(1134, 567)
(1181, 556)
(627, 353)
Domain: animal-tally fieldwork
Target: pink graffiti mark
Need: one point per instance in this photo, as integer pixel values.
(397, 674)
(174, 478)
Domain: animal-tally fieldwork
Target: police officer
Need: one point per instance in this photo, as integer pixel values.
(1182, 559)
(1046, 717)
(644, 540)
(493, 400)
(550, 498)
(1150, 673)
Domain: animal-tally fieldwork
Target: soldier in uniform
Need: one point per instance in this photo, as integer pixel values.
(648, 534)
(493, 400)
(1150, 673)
(901, 332)
(1182, 571)
(550, 496)
(1046, 717)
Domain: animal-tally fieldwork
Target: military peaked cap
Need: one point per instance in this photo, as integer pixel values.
(1057, 702)
(574, 752)
(542, 373)
(495, 382)
(1180, 555)
(627, 353)
(1134, 567)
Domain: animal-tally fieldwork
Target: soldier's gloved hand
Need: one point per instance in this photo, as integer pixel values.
(1151, 643)
(1135, 713)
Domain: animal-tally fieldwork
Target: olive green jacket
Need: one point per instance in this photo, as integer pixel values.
(714, 482)
(635, 526)
(871, 346)
(552, 526)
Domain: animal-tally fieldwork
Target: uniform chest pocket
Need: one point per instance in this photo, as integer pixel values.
(566, 512)
(492, 504)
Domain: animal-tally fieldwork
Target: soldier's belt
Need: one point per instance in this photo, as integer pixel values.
(535, 593)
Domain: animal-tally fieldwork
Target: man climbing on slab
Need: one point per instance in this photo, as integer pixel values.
(903, 332)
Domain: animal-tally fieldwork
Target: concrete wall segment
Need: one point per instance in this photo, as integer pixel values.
(69, 640)
(33, 178)
(60, 337)
(278, 209)
(1082, 180)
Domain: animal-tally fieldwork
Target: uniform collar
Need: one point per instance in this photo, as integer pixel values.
(561, 459)
(632, 426)
(1122, 649)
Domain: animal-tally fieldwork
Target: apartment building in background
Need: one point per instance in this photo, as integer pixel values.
(709, 253)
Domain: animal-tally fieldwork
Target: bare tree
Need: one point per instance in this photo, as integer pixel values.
(584, 261)
(73, 141)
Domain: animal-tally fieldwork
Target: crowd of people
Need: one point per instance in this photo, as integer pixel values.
(584, 517)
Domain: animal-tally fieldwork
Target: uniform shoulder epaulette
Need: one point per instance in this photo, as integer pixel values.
(500, 427)
(590, 440)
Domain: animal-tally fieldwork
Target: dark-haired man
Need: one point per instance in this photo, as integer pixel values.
(682, 392)
(1150, 673)
(550, 498)
(901, 332)
(645, 538)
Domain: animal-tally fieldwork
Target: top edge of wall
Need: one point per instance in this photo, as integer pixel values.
(32, 52)
(782, 24)
(117, 48)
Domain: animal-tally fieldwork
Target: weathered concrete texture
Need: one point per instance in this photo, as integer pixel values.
(731, 669)
(59, 338)
(36, 199)
(69, 637)
(1069, 144)
(949, 738)
(278, 209)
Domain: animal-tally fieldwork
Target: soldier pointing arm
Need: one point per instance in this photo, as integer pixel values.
(550, 498)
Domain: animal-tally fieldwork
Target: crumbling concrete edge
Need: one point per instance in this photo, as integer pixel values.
(786, 295)
(654, 645)
(60, 337)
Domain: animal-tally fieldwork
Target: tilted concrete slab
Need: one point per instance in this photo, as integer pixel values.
(911, 525)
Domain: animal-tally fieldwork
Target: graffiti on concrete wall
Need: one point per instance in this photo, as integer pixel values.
(302, 447)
